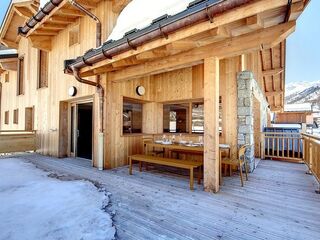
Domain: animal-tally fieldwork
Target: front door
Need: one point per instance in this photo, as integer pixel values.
(84, 130)
(81, 136)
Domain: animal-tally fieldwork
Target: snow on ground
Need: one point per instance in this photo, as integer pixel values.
(140, 13)
(34, 206)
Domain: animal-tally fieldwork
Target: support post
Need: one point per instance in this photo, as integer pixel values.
(211, 125)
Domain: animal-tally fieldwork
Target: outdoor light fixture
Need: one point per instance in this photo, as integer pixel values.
(140, 90)
(72, 91)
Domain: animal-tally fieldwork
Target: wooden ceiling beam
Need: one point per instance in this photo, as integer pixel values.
(275, 93)
(23, 12)
(9, 65)
(52, 26)
(126, 62)
(9, 43)
(71, 12)
(46, 32)
(254, 22)
(295, 10)
(214, 35)
(272, 72)
(226, 48)
(59, 19)
(153, 54)
(274, 108)
(41, 42)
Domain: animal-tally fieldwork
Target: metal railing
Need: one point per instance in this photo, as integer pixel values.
(282, 146)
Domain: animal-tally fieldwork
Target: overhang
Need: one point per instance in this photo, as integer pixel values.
(55, 16)
(8, 59)
(17, 14)
(227, 28)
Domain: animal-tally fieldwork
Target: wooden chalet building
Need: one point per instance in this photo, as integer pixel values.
(216, 69)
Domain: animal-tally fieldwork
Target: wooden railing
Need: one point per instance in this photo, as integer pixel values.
(282, 146)
(17, 141)
(312, 154)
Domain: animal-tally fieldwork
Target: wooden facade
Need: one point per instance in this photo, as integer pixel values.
(199, 63)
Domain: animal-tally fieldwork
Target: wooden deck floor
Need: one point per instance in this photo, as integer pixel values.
(278, 202)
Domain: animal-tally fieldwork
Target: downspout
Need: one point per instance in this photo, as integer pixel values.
(96, 84)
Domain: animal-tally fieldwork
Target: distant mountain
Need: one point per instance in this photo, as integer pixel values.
(303, 92)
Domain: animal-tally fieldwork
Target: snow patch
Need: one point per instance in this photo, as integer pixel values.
(296, 87)
(140, 13)
(34, 206)
(43, 2)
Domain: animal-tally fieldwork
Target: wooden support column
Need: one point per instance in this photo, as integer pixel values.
(109, 131)
(211, 124)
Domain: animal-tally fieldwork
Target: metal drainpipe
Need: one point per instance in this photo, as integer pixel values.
(97, 84)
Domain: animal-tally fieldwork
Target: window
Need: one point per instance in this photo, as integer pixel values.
(132, 116)
(16, 116)
(6, 77)
(74, 33)
(197, 118)
(29, 118)
(20, 84)
(6, 117)
(176, 118)
(43, 69)
(186, 117)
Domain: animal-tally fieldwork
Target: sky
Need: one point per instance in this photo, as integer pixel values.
(303, 50)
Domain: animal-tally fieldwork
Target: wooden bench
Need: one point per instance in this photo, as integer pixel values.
(168, 162)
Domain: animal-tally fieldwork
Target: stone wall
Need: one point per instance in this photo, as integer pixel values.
(248, 88)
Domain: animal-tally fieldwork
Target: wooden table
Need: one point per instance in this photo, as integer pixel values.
(198, 149)
(192, 150)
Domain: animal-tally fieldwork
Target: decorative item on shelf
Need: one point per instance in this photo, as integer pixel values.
(140, 90)
(72, 91)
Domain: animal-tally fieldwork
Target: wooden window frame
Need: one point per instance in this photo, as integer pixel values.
(74, 30)
(40, 84)
(6, 117)
(29, 123)
(20, 76)
(16, 116)
(6, 77)
(134, 101)
(190, 102)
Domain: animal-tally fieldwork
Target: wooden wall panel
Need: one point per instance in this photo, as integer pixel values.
(171, 86)
(47, 100)
(228, 92)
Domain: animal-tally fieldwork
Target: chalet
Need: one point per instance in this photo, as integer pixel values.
(213, 71)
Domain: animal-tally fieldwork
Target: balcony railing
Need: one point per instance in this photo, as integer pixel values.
(294, 147)
(282, 145)
(312, 154)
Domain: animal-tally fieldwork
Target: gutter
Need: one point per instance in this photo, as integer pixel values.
(34, 20)
(8, 56)
(197, 12)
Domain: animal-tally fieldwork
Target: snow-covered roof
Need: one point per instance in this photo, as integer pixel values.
(8, 52)
(298, 107)
(140, 13)
(43, 2)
